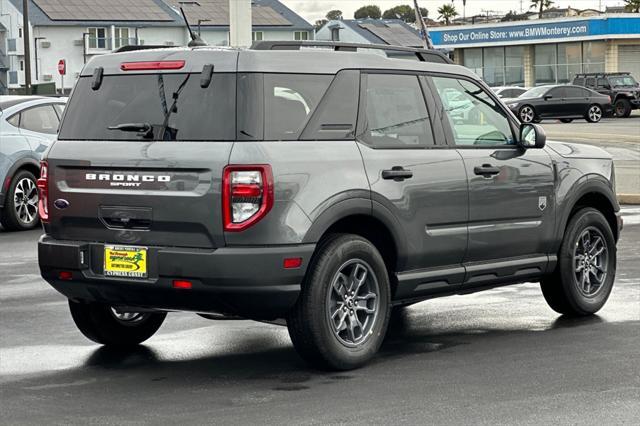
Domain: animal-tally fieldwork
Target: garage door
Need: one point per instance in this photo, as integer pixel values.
(629, 59)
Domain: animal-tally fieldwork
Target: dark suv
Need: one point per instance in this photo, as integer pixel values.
(316, 186)
(623, 89)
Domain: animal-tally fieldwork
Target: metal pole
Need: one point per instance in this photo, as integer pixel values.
(423, 26)
(240, 23)
(35, 44)
(27, 47)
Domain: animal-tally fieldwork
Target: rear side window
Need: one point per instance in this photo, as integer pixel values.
(201, 114)
(395, 113)
(579, 82)
(42, 119)
(591, 82)
(289, 101)
(602, 83)
(576, 92)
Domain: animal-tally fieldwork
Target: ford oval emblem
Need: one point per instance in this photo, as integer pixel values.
(61, 204)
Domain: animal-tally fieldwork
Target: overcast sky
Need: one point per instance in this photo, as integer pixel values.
(313, 10)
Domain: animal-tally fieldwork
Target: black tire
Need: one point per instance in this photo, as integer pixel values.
(566, 120)
(310, 325)
(99, 323)
(594, 113)
(622, 108)
(561, 290)
(23, 215)
(527, 114)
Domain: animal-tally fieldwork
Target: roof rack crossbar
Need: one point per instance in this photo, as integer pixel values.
(424, 55)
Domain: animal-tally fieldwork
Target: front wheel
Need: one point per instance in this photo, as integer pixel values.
(342, 314)
(109, 326)
(594, 114)
(586, 267)
(527, 114)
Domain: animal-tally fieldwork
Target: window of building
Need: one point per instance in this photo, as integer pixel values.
(335, 34)
(257, 36)
(514, 66)
(593, 53)
(569, 61)
(395, 112)
(123, 37)
(473, 60)
(493, 66)
(475, 118)
(301, 35)
(97, 38)
(545, 64)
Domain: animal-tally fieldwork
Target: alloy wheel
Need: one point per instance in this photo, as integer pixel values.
(127, 317)
(527, 115)
(352, 303)
(590, 257)
(25, 201)
(595, 113)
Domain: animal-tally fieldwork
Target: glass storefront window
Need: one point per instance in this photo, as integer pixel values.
(473, 60)
(593, 53)
(493, 73)
(569, 61)
(545, 64)
(514, 66)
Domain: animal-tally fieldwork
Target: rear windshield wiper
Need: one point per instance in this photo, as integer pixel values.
(144, 129)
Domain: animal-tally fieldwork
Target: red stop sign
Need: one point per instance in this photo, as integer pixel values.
(62, 67)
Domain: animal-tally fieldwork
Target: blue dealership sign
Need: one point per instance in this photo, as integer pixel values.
(523, 32)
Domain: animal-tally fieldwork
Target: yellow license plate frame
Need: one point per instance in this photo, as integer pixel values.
(125, 261)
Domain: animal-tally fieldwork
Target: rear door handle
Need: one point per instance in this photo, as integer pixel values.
(486, 170)
(397, 173)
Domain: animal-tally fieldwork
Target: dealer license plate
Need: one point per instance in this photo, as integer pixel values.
(123, 261)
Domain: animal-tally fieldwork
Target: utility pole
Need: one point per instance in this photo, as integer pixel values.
(27, 50)
(240, 23)
(423, 26)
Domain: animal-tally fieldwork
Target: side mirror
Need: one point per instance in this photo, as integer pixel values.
(547, 97)
(532, 136)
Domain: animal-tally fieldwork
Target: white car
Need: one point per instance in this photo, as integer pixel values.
(508, 91)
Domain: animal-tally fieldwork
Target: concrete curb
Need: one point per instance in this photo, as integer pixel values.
(629, 198)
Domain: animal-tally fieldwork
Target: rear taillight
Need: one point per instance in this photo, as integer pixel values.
(43, 192)
(247, 195)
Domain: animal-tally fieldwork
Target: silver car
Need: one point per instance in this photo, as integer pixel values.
(28, 124)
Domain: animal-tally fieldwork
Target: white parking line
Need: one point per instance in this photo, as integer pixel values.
(630, 215)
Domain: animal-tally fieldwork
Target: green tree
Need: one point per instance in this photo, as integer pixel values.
(632, 6)
(371, 11)
(541, 5)
(446, 12)
(334, 15)
(404, 12)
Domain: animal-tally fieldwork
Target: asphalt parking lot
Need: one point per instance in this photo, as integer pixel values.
(498, 357)
(619, 136)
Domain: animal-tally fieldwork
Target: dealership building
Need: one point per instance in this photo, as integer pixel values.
(532, 53)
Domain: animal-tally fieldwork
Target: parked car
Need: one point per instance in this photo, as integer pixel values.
(564, 102)
(509, 91)
(28, 124)
(621, 87)
(318, 187)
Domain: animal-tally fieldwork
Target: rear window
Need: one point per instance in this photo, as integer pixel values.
(201, 114)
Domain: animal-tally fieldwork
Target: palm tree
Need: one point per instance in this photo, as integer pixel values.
(632, 6)
(447, 11)
(542, 4)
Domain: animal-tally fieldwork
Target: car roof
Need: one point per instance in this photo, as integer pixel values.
(10, 102)
(307, 61)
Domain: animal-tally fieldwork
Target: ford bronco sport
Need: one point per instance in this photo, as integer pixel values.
(319, 186)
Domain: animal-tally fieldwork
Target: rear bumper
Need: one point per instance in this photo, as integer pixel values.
(246, 281)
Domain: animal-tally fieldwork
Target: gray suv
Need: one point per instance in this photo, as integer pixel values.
(320, 186)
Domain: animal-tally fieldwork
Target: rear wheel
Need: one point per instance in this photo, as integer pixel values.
(622, 108)
(594, 114)
(586, 266)
(20, 212)
(566, 120)
(109, 326)
(527, 114)
(342, 314)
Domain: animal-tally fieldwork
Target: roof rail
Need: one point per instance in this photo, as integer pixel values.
(590, 74)
(423, 55)
(133, 47)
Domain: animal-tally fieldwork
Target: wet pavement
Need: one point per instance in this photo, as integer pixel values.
(497, 357)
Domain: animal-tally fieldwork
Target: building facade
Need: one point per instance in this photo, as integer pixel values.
(96, 27)
(532, 53)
